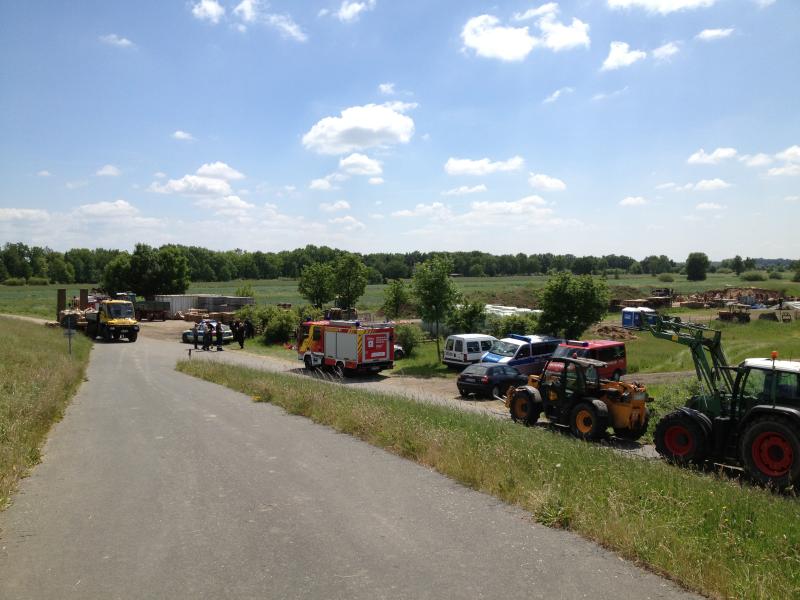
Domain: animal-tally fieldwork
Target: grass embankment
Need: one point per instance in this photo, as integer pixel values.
(709, 534)
(37, 380)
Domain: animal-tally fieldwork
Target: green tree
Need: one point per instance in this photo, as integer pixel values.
(466, 317)
(395, 298)
(172, 275)
(409, 337)
(434, 291)
(316, 284)
(571, 304)
(737, 264)
(117, 275)
(349, 279)
(696, 266)
(59, 270)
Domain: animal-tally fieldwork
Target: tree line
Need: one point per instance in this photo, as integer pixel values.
(83, 265)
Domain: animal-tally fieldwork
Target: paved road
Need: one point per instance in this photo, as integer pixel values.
(158, 485)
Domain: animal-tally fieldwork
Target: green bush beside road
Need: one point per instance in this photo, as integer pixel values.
(37, 379)
(707, 532)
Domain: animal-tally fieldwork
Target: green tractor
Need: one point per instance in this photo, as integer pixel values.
(747, 415)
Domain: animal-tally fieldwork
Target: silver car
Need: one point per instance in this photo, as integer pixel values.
(187, 337)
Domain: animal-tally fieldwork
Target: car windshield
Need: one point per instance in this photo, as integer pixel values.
(120, 311)
(502, 348)
(570, 352)
(476, 370)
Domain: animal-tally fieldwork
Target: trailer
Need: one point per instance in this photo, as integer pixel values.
(346, 346)
(151, 310)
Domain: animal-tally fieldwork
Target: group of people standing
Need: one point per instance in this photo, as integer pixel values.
(241, 331)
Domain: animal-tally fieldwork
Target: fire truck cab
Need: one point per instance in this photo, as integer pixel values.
(346, 346)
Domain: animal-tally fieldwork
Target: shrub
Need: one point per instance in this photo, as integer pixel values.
(281, 326)
(245, 290)
(38, 281)
(775, 275)
(725, 270)
(14, 281)
(666, 277)
(796, 277)
(500, 327)
(753, 276)
(408, 336)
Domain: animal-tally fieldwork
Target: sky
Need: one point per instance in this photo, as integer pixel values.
(589, 127)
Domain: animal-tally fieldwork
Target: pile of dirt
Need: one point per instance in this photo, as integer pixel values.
(611, 332)
(625, 292)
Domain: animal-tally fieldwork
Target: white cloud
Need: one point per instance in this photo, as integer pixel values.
(609, 95)
(359, 164)
(489, 39)
(219, 170)
(108, 171)
(701, 158)
(666, 186)
(791, 154)
(159, 175)
(386, 88)
(324, 184)
(286, 27)
(193, 185)
(119, 209)
(661, 6)
(348, 223)
(756, 160)
(710, 185)
(351, 10)
(620, 55)
(464, 190)
(361, 127)
(182, 135)
(247, 10)
(333, 207)
(558, 36)
(376, 180)
(764, 3)
(633, 201)
(208, 10)
(74, 185)
(112, 39)
(709, 206)
(530, 205)
(230, 206)
(23, 214)
(667, 51)
(708, 35)
(436, 210)
(532, 13)
(43, 173)
(789, 169)
(557, 94)
(541, 181)
(483, 166)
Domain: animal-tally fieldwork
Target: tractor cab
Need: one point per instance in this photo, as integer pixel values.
(563, 380)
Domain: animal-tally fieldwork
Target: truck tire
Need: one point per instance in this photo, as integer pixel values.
(680, 439)
(132, 336)
(586, 422)
(770, 452)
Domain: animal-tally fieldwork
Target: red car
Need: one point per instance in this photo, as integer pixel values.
(608, 351)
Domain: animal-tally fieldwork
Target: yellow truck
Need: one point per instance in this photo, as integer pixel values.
(112, 320)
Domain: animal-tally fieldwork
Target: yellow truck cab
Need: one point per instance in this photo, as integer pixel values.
(113, 319)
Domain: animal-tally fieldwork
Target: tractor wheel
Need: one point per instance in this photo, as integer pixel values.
(770, 452)
(633, 434)
(680, 439)
(586, 422)
(523, 408)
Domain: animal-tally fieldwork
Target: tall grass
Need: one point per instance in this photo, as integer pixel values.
(704, 531)
(37, 379)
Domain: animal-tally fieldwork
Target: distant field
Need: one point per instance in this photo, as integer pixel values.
(40, 301)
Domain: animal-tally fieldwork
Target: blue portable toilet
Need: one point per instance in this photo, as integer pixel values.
(638, 317)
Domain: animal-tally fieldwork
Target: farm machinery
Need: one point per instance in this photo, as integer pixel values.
(569, 392)
(747, 415)
(112, 320)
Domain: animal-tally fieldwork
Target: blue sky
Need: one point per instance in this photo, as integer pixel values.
(590, 127)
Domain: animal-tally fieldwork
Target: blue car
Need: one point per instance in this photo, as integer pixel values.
(528, 353)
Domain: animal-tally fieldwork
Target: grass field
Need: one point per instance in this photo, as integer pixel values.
(37, 379)
(707, 532)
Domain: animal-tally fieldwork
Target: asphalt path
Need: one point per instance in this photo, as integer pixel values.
(159, 485)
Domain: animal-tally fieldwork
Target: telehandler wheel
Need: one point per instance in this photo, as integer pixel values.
(586, 422)
(770, 452)
(680, 439)
(523, 408)
(633, 434)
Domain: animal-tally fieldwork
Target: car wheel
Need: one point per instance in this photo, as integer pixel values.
(462, 392)
(496, 392)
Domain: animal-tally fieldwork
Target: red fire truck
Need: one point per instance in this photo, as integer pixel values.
(346, 346)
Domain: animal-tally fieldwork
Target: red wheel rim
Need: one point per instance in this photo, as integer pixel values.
(678, 440)
(772, 454)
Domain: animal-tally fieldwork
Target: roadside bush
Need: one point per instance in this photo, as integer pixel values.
(724, 270)
(500, 327)
(281, 326)
(245, 290)
(775, 275)
(14, 281)
(307, 312)
(38, 281)
(408, 336)
(753, 276)
(666, 277)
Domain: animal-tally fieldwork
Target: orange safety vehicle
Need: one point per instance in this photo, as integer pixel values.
(346, 346)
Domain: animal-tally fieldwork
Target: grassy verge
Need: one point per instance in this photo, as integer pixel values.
(37, 379)
(708, 533)
(423, 362)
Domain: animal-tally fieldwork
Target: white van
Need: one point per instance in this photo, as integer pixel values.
(466, 348)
